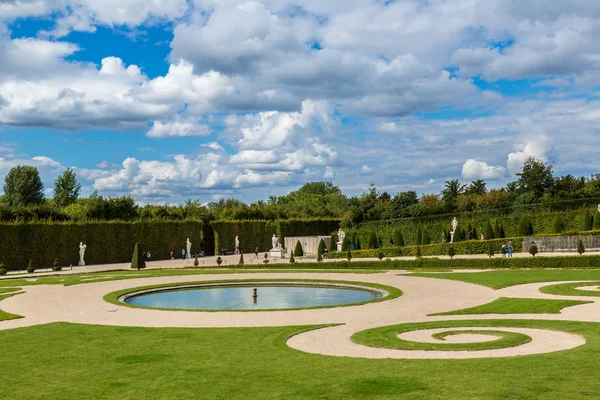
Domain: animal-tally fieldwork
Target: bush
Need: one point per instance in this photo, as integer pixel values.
(398, 239)
(241, 259)
(419, 236)
(321, 248)
(451, 252)
(533, 249)
(587, 221)
(56, 265)
(425, 240)
(298, 251)
(345, 243)
(349, 255)
(137, 260)
(196, 263)
(30, 267)
(219, 261)
(418, 252)
(372, 240)
(580, 247)
(596, 225)
(266, 259)
(525, 228)
(292, 259)
(380, 255)
(489, 232)
(559, 226)
(3, 270)
(490, 251)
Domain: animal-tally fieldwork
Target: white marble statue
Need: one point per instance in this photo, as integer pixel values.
(341, 236)
(275, 242)
(454, 226)
(237, 242)
(81, 253)
(598, 207)
(188, 247)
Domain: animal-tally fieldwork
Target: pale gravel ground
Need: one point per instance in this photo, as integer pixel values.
(422, 296)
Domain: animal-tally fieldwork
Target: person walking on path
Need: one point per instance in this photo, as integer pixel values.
(256, 252)
(171, 255)
(503, 250)
(510, 248)
(182, 254)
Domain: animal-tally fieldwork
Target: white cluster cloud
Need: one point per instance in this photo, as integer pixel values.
(473, 169)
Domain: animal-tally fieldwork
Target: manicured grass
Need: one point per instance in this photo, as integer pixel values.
(9, 290)
(570, 289)
(77, 279)
(506, 278)
(386, 337)
(508, 305)
(4, 316)
(392, 292)
(66, 361)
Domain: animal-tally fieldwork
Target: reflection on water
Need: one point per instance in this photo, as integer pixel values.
(241, 298)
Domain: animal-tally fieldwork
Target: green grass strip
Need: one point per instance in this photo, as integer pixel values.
(509, 305)
(387, 337)
(570, 289)
(392, 293)
(4, 316)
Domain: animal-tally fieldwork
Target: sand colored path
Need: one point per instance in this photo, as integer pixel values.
(422, 296)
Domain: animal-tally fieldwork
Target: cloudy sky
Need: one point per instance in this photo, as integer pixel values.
(166, 100)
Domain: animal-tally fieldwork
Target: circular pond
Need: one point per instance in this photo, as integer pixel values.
(242, 297)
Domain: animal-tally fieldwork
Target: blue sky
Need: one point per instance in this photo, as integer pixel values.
(169, 100)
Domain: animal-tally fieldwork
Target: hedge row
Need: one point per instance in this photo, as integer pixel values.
(107, 242)
(468, 247)
(542, 223)
(457, 263)
(254, 234)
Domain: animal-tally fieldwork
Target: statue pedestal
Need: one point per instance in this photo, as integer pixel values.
(339, 246)
(81, 263)
(276, 253)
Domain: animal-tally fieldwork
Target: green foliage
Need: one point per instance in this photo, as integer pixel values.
(196, 262)
(219, 261)
(30, 267)
(418, 252)
(535, 178)
(425, 239)
(398, 239)
(497, 230)
(345, 243)
(580, 247)
(137, 260)
(107, 242)
(298, 251)
(419, 236)
(533, 249)
(596, 226)
(241, 262)
(334, 240)
(587, 221)
(23, 187)
(373, 240)
(292, 259)
(490, 251)
(321, 248)
(451, 252)
(56, 265)
(559, 226)
(266, 259)
(66, 188)
(349, 255)
(3, 270)
(525, 227)
(380, 255)
(489, 232)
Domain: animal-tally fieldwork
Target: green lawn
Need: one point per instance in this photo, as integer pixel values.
(4, 316)
(508, 305)
(505, 278)
(570, 289)
(67, 361)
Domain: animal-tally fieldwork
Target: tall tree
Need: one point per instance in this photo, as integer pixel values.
(23, 186)
(477, 187)
(536, 177)
(452, 189)
(66, 188)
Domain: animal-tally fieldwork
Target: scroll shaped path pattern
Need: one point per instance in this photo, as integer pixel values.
(421, 297)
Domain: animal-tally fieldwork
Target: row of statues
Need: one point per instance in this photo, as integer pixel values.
(82, 247)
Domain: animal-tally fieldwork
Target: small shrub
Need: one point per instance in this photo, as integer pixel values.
(137, 260)
(266, 260)
(299, 251)
(292, 259)
(349, 255)
(380, 255)
(241, 259)
(451, 252)
(321, 249)
(30, 267)
(56, 265)
(196, 263)
(490, 251)
(3, 270)
(219, 261)
(533, 249)
(319, 258)
(580, 247)
(418, 252)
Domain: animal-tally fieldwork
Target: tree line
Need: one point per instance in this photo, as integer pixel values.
(24, 200)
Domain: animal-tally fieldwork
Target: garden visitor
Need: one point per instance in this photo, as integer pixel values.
(503, 250)
(510, 248)
(443, 237)
(183, 254)
(148, 256)
(171, 255)
(256, 252)
(482, 236)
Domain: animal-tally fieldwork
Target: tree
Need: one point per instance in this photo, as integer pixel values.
(596, 226)
(489, 232)
(66, 188)
(524, 228)
(30, 267)
(490, 250)
(451, 252)
(418, 252)
(535, 177)
(349, 255)
(298, 251)
(533, 249)
(56, 265)
(580, 247)
(334, 240)
(497, 230)
(558, 225)
(372, 240)
(477, 187)
(380, 255)
(398, 239)
(23, 187)
(587, 221)
(321, 248)
(219, 261)
(452, 189)
(345, 243)
(137, 260)
(241, 259)
(419, 236)
(425, 239)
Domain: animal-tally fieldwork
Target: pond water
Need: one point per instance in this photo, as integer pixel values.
(241, 297)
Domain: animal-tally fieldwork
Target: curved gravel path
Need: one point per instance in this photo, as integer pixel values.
(422, 296)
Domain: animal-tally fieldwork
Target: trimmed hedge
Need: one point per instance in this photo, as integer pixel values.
(468, 247)
(107, 242)
(541, 218)
(573, 262)
(258, 233)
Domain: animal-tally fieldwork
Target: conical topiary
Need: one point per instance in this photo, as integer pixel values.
(587, 221)
(372, 240)
(558, 225)
(419, 236)
(425, 240)
(398, 239)
(137, 260)
(292, 260)
(523, 229)
(345, 243)
(298, 251)
(596, 224)
(580, 247)
(321, 248)
(489, 232)
(30, 267)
